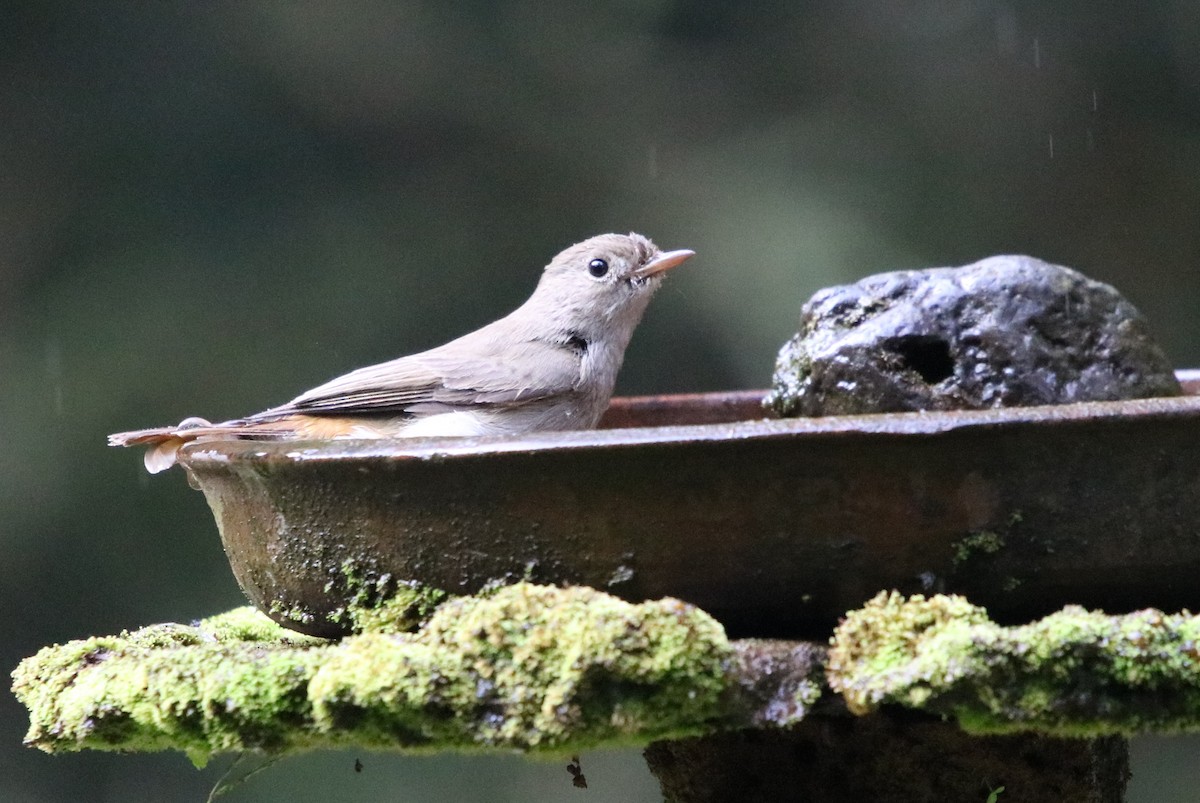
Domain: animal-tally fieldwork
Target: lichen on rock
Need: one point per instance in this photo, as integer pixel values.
(1073, 673)
(526, 667)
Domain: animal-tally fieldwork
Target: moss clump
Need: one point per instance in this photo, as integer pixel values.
(230, 682)
(533, 666)
(1073, 673)
(984, 542)
(385, 605)
(377, 603)
(403, 611)
(526, 667)
(244, 624)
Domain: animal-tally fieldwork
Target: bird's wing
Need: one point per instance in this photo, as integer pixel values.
(468, 372)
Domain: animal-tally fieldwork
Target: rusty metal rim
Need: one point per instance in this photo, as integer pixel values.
(899, 424)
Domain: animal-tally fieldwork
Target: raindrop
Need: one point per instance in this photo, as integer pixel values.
(652, 161)
(1037, 54)
(1051, 146)
(54, 372)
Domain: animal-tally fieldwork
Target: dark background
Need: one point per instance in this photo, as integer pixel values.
(206, 208)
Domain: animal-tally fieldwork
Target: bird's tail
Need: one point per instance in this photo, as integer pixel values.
(163, 442)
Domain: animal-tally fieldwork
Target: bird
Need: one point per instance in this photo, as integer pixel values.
(551, 364)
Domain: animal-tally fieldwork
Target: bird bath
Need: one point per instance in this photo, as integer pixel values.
(775, 527)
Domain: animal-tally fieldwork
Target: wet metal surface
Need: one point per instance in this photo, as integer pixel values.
(776, 527)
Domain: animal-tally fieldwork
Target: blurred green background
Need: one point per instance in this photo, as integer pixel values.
(209, 207)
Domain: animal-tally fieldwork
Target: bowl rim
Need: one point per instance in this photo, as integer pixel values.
(922, 423)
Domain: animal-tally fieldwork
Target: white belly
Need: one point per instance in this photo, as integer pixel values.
(458, 424)
(517, 421)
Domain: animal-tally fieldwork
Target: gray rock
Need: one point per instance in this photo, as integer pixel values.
(1007, 331)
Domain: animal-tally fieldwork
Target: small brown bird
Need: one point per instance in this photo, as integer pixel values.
(551, 364)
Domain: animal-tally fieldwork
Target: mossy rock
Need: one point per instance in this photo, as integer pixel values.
(527, 667)
(1074, 673)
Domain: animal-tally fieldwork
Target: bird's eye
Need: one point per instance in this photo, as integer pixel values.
(597, 267)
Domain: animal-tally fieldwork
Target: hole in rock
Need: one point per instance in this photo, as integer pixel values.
(928, 355)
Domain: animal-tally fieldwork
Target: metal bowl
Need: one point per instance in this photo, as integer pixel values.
(776, 527)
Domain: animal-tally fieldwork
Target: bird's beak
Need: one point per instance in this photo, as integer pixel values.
(663, 262)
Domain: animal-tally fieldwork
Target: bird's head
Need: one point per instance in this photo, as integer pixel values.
(605, 281)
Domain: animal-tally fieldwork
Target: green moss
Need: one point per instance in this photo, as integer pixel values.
(384, 605)
(223, 685)
(1074, 673)
(535, 666)
(983, 542)
(526, 667)
(247, 624)
(293, 613)
(408, 606)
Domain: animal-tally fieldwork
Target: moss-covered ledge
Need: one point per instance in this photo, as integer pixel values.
(542, 668)
(524, 666)
(1074, 673)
